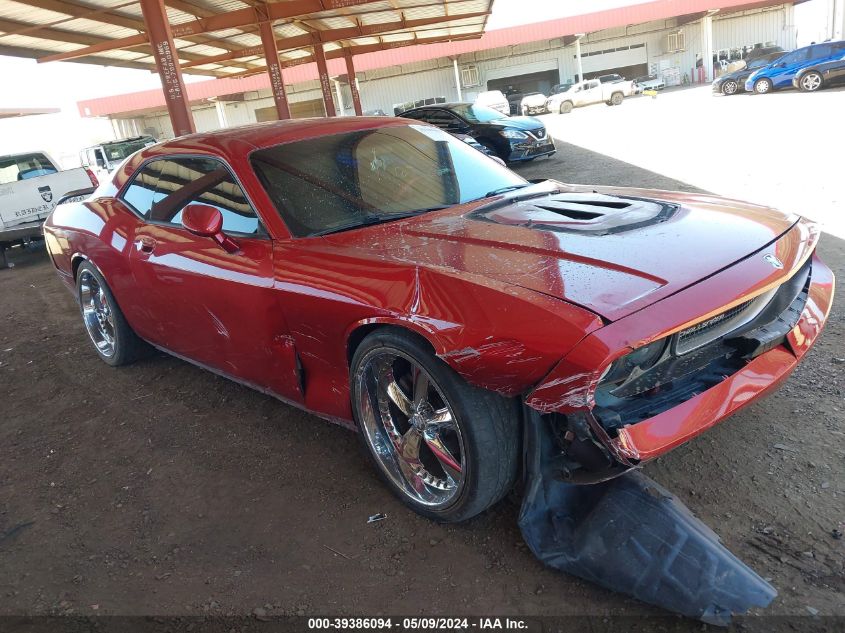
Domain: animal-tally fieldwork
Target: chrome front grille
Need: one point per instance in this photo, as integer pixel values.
(721, 324)
(539, 133)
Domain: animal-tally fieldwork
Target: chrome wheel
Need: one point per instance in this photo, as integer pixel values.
(729, 88)
(410, 427)
(811, 82)
(762, 86)
(97, 313)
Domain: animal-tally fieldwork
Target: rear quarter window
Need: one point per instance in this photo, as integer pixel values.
(24, 167)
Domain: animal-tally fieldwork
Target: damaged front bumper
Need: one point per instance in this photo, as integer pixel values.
(632, 536)
(621, 432)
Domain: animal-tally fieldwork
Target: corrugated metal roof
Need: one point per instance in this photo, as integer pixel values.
(65, 28)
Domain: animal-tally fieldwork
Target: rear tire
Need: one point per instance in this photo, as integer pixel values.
(811, 82)
(114, 341)
(409, 406)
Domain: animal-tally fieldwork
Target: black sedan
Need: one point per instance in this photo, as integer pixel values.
(512, 139)
(734, 82)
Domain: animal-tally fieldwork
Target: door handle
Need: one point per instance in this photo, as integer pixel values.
(146, 244)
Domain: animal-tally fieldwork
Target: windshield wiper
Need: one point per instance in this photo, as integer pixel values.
(496, 192)
(376, 218)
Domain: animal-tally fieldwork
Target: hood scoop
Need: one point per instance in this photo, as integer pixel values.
(580, 212)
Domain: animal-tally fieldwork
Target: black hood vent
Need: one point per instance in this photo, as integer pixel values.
(588, 213)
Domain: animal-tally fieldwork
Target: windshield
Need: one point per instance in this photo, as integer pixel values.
(117, 151)
(342, 181)
(476, 113)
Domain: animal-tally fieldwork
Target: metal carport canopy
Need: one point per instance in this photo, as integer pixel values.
(230, 38)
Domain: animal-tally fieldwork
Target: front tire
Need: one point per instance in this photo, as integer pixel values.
(616, 98)
(729, 87)
(763, 86)
(447, 449)
(113, 339)
(566, 107)
(810, 82)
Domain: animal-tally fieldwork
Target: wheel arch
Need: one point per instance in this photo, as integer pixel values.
(359, 330)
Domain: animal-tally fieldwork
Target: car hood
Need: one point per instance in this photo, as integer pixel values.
(517, 123)
(611, 250)
(736, 75)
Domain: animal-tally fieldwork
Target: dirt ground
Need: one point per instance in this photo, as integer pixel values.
(161, 489)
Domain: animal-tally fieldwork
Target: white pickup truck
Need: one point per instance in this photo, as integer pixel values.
(588, 92)
(31, 185)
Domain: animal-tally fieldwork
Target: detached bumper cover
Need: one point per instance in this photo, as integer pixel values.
(632, 536)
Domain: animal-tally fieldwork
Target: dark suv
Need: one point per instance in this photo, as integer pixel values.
(512, 139)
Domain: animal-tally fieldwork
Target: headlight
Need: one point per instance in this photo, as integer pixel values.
(642, 359)
(513, 134)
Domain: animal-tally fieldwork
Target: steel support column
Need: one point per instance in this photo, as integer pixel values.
(274, 70)
(353, 82)
(167, 63)
(707, 42)
(578, 57)
(325, 82)
(837, 31)
(457, 78)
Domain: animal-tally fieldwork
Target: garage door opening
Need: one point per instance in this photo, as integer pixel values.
(629, 61)
(628, 72)
(531, 82)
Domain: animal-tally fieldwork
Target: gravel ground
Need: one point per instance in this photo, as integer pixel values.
(162, 489)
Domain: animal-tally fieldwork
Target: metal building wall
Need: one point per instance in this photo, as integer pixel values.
(382, 88)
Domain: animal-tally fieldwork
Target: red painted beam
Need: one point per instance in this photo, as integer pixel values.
(230, 20)
(334, 35)
(353, 84)
(167, 62)
(325, 86)
(274, 70)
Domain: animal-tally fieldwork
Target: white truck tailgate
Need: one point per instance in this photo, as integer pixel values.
(33, 199)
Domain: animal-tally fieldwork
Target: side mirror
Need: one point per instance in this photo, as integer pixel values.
(204, 220)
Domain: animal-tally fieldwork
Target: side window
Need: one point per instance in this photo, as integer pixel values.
(24, 167)
(140, 193)
(417, 116)
(444, 119)
(789, 59)
(182, 181)
(820, 51)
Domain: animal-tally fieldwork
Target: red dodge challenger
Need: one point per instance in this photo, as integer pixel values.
(385, 275)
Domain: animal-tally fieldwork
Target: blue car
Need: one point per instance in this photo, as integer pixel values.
(823, 61)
